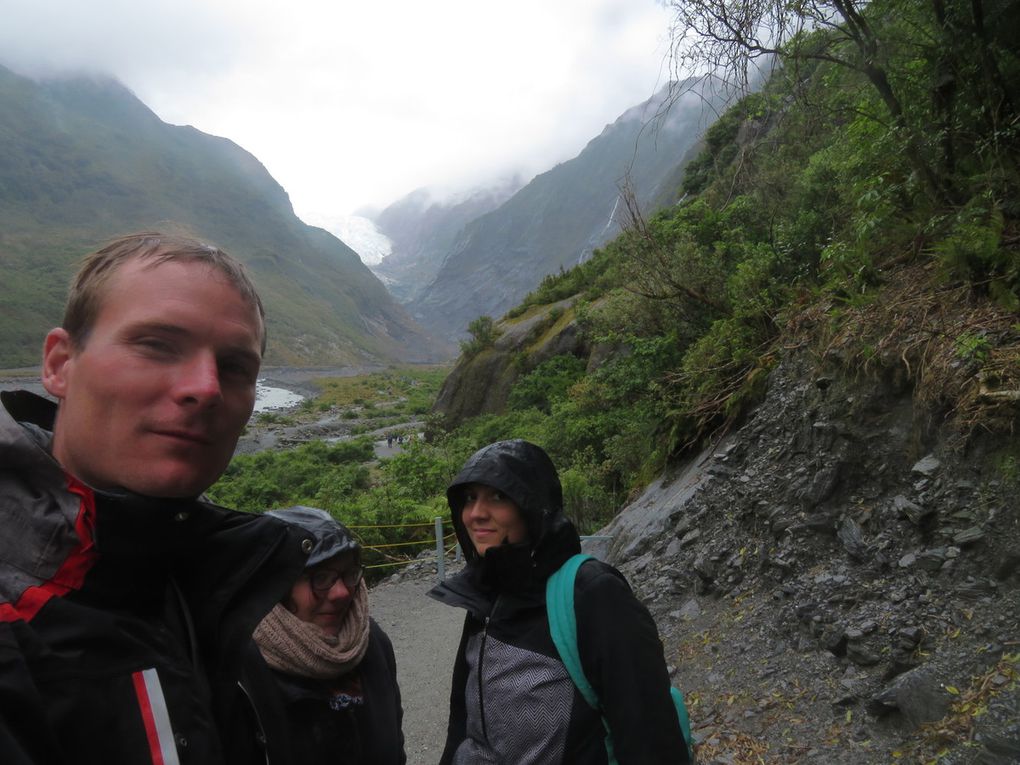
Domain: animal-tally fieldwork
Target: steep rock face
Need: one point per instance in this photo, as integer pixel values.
(422, 231)
(832, 576)
(562, 215)
(481, 384)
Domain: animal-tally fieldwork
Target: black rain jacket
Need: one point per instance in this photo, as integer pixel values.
(358, 734)
(512, 700)
(126, 621)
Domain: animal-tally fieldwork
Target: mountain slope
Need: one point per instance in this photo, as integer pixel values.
(423, 230)
(83, 160)
(561, 216)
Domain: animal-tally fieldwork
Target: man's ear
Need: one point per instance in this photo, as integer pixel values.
(58, 353)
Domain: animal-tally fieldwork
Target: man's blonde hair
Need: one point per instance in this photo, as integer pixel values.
(89, 286)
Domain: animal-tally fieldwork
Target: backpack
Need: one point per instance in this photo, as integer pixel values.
(559, 600)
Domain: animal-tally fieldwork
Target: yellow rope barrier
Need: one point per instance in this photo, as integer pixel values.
(393, 563)
(447, 549)
(399, 544)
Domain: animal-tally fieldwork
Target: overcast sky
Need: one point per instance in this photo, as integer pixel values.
(352, 104)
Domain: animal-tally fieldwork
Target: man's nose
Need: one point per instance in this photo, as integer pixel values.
(199, 379)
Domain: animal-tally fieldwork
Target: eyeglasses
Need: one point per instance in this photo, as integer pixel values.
(322, 581)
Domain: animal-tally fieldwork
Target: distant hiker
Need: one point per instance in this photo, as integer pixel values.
(389, 440)
(333, 663)
(400, 438)
(512, 699)
(127, 602)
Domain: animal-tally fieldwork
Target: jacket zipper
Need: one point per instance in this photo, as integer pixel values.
(481, 696)
(261, 731)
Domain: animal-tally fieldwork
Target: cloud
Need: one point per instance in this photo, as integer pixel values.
(351, 103)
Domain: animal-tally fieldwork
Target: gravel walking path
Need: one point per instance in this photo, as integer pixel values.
(425, 635)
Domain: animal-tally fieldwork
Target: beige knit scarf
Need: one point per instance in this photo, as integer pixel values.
(300, 648)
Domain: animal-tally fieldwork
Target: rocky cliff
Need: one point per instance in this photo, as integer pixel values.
(835, 582)
(480, 383)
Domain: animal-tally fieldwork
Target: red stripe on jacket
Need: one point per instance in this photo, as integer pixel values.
(148, 720)
(71, 573)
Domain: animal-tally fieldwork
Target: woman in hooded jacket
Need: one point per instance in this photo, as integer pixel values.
(334, 666)
(512, 700)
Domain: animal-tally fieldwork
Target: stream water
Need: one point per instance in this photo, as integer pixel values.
(267, 398)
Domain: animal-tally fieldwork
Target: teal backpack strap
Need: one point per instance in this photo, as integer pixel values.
(559, 601)
(559, 604)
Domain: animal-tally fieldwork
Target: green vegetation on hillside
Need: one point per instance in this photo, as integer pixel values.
(84, 161)
(808, 220)
(401, 391)
(864, 209)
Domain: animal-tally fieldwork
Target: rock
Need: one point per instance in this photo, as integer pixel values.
(913, 511)
(907, 560)
(976, 588)
(1008, 565)
(1001, 749)
(822, 485)
(968, 536)
(861, 654)
(932, 559)
(927, 467)
(918, 694)
(690, 610)
(690, 538)
(852, 537)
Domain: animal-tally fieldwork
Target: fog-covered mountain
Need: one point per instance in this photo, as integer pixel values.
(83, 160)
(448, 269)
(360, 234)
(422, 230)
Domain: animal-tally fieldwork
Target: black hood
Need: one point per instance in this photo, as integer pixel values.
(525, 474)
(329, 536)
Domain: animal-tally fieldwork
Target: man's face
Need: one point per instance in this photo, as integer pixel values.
(156, 399)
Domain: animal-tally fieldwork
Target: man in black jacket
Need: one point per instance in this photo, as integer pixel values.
(127, 602)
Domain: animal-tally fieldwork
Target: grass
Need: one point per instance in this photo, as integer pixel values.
(395, 391)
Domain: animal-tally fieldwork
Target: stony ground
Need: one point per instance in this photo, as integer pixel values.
(425, 635)
(832, 591)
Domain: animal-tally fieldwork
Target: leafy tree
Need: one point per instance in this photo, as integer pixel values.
(484, 333)
(946, 64)
(547, 383)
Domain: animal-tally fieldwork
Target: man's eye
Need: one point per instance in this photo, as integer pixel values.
(239, 369)
(155, 345)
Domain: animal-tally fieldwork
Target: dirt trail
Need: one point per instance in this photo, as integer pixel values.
(425, 635)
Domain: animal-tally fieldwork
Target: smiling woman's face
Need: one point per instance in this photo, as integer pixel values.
(491, 518)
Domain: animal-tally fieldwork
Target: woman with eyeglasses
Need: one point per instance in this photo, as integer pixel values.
(334, 665)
